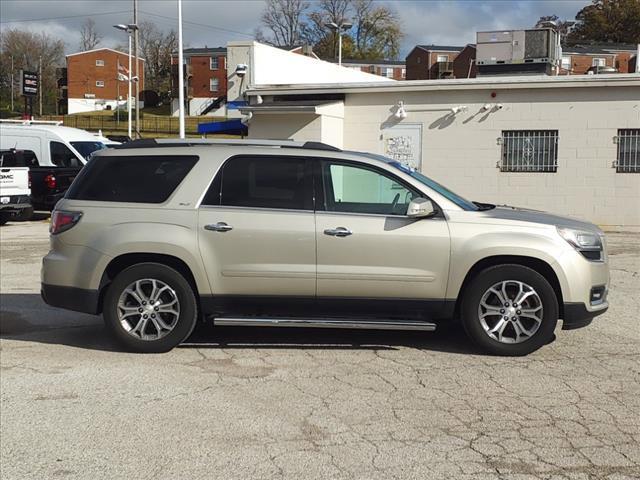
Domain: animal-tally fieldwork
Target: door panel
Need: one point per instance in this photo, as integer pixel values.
(366, 245)
(264, 253)
(384, 257)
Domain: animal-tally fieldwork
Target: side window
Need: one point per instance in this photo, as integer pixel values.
(61, 156)
(355, 189)
(266, 182)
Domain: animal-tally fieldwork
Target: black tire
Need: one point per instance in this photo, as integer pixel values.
(4, 217)
(482, 282)
(25, 215)
(188, 312)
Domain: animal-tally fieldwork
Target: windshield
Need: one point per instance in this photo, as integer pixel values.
(87, 148)
(463, 203)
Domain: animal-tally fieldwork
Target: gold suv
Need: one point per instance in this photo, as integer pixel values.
(157, 234)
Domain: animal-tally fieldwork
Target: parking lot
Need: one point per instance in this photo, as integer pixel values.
(236, 403)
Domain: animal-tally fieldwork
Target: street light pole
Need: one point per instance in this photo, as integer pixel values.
(180, 73)
(339, 29)
(129, 29)
(135, 47)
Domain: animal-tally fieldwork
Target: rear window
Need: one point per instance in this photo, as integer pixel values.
(136, 179)
(18, 158)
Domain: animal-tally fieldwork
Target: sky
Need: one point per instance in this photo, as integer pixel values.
(215, 22)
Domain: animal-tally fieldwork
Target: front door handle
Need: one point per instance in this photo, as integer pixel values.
(218, 227)
(338, 232)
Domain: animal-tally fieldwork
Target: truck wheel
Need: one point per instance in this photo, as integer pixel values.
(510, 310)
(25, 215)
(150, 308)
(4, 217)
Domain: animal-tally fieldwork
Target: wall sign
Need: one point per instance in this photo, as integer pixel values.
(403, 142)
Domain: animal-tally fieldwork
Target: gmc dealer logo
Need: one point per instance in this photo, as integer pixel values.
(6, 176)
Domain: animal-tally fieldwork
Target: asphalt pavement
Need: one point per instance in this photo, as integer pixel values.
(243, 403)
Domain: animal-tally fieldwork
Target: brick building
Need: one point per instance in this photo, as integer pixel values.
(609, 58)
(93, 81)
(431, 62)
(206, 79)
(394, 69)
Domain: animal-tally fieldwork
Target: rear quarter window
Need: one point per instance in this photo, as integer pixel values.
(135, 179)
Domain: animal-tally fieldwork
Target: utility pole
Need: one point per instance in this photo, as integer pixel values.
(180, 73)
(40, 82)
(135, 48)
(12, 77)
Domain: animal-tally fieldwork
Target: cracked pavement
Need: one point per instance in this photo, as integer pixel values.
(239, 403)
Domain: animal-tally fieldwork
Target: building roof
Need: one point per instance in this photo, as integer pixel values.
(439, 48)
(358, 61)
(602, 48)
(494, 83)
(201, 51)
(102, 49)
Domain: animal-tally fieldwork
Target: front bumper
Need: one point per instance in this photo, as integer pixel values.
(71, 298)
(576, 315)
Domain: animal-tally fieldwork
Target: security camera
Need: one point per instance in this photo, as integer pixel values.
(486, 106)
(458, 109)
(241, 69)
(499, 106)
(401, 113)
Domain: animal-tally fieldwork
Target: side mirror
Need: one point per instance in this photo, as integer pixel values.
(420, 208)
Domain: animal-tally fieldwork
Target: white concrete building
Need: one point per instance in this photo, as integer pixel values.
(569, 145)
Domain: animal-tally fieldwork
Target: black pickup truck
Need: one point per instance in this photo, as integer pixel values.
(48, 184)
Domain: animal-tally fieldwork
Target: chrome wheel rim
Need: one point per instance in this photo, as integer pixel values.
(148, 309)
(510, 311)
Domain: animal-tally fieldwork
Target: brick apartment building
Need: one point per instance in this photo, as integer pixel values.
(93, 81)
(394, 69)
(206, 79)
(431, 62)
(585, 59)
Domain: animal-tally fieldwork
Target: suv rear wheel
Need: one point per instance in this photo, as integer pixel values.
(150, 308)
(510, 310)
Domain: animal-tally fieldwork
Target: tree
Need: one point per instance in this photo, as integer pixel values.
(284, 21)
(156, 48)
(325, 41)
(608, 21)
(27, 50)
(563, 27)
(89, 37)
(377, 31)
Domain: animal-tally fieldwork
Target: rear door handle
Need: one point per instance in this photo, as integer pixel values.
(218, 227)
(338, 232)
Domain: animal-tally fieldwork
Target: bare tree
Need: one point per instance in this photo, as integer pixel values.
(377, 30)
(156, 48)
(27, 49)
(316, 33)
(284, 21)
(89, 37)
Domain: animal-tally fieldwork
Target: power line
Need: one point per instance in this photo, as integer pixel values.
(213, 27)
(62, 18)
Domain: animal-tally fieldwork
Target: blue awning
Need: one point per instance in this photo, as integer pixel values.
(230, 127)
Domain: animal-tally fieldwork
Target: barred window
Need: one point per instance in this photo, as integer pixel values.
(529, 151)
(628, 160)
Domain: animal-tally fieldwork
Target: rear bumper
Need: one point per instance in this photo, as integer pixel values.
(576, 315)
(16, 203)
(71, 298)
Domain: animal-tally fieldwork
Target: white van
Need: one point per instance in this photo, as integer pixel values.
(52, 144)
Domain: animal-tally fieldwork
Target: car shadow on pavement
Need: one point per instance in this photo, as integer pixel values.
(25, 317)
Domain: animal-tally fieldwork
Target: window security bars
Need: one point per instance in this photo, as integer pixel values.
(628, 158)
(529, 151)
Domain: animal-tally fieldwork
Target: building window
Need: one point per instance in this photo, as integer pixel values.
(372, 69)
(529, 151)
(99, 63)
(404, 73)
(566, 63)
(598, 62)
(388, 72)
(419, 60)
(213, 84)
(443, 58)
(100, 83)
(628, 159)
(213, 63)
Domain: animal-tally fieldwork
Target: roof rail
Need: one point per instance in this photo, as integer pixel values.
(31, 122)
(194, 142)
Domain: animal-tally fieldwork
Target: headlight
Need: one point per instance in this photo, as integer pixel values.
(589, 244)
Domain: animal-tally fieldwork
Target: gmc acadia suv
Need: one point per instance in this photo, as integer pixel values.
(157, 234)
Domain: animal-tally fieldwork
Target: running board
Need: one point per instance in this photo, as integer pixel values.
(324, 323)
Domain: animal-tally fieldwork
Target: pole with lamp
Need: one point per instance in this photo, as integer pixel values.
(339, 28)
(129, 29)
(180, 73)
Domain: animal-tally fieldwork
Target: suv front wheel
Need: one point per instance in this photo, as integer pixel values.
(150, 308)
(510, 310)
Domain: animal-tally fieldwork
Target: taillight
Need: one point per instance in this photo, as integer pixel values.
(50, 181)
(29, 179)
(62, 220)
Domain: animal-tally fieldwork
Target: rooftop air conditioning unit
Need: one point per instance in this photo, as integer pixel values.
(517, 47)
